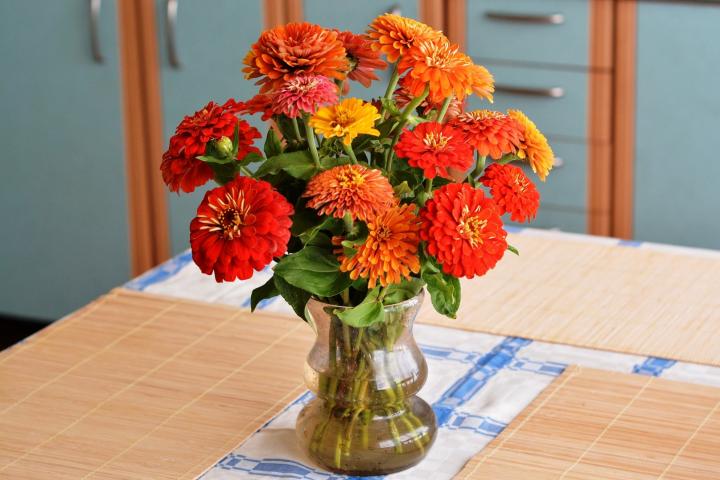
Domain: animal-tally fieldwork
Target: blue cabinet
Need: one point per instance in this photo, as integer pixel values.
(211, 40)
(677, 123)
(63, 206)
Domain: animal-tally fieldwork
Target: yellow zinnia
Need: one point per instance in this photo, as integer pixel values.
(534, 146)
(347, 119)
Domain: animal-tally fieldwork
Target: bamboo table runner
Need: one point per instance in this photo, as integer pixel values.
(591, 424)
(135, 386)
(596, 295)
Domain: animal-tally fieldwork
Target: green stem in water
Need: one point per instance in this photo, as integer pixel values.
(444, 109)
(310, 133)
(351, 154)
(296, 129)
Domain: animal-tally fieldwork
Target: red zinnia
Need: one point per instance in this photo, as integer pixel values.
(362, 58)
(512, 191)
(463, 230)
(260, 103)
(434, 147)
(239, 227)
(180, 169)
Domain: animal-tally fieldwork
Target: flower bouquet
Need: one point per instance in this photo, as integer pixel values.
(363, 206)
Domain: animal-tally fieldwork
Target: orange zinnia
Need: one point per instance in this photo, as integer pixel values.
(394, 35)
(286, 51)
(362, 58)
(535, 147)
(439, 65)
(492, 133)
(390, 252)
(360, 191)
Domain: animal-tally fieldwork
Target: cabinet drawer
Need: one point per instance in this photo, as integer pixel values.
(566, 185)
(555, 100)
(551, 31)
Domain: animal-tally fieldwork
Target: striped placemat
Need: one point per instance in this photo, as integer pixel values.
(661, 302)
(592, 424)
(135, 386)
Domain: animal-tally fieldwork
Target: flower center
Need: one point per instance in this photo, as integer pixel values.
(521, 183)
(230, 215)
(303, 86)
(350, 179)
(341, 120)
(471, 226)
(383, 232)
(436, 140)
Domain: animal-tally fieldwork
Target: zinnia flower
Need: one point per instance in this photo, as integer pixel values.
(180, 169)
(463, 230)
(304, 94)
(512, 191)
(535, 147)
(362, 58)
(390, 252)
(360, 191)
(394, 35)
(440, 66)
(240, 227)
(491, 133)
(260, 103)
(284, 52)
(434, 147)
(403, 97)
(347, 120)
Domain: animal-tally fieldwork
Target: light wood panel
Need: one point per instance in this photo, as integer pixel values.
(591, 424)
(624, 118)
(135, 387)
(589, 294)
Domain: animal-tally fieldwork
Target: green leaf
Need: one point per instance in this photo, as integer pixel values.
(268, 290)
(330, 162)
(403, 190)
(405, 290)
(215, 160)
(296, 297)
(251, 157)
(314, 269)
(273, 145)
(513, 249)
(444, 289)
(330, 223)
(298, 164)
(369, 312)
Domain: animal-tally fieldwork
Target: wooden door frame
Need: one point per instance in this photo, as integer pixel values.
(624, 118)
(140, 79)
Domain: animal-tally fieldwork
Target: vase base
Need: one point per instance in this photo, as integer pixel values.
(361, 441)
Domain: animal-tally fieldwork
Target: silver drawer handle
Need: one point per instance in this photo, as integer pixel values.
(548, 19)
(171, 7)
(558, 162)
(394, 9)
(550, 92)
(95, 7)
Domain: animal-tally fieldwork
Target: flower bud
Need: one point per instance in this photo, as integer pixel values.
(224, 147)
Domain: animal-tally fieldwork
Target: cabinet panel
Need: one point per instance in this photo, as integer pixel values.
(355, 16)
(62, 191)
(212, 39)
(551, 31)
(561, 112)
(677, 121)
(566, 186)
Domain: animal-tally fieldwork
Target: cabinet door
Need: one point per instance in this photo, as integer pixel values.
(63, 186)
(211, 40)
(678, 120)
(355, 16)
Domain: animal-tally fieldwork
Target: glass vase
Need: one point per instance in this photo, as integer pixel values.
(366, 418)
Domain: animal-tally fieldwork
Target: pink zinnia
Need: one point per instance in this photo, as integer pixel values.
(304, 94)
